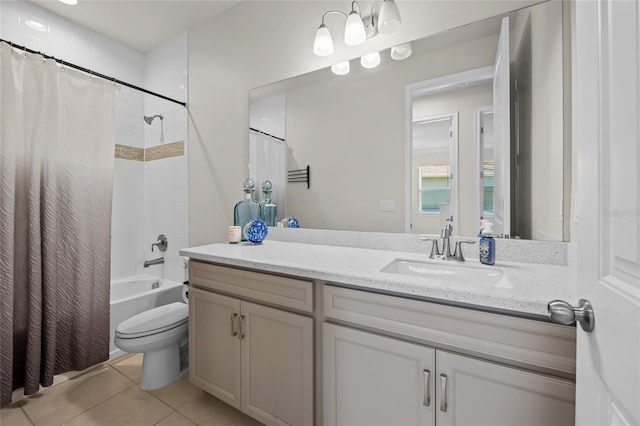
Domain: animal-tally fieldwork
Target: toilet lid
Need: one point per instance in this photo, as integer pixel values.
(154, 320)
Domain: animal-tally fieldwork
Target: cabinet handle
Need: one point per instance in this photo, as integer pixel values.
(241, 330)
(443, 393)
(234, 333)
(426, 401)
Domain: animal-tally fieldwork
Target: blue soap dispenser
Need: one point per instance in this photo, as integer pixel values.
(487, 243)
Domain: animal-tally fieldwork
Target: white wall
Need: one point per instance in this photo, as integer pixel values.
(259, 42)
(134, 181)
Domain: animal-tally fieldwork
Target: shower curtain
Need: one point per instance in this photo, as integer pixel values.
(57, 141)
(267, 161)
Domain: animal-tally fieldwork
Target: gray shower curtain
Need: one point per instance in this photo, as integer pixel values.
(57, 130)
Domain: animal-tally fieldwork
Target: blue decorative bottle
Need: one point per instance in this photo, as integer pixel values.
(270, 210)
(487, 243)
(248, 209)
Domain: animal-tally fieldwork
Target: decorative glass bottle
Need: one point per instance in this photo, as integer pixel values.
(270, 210)
(248, 209)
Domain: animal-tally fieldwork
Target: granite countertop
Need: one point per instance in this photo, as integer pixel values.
(524, 289)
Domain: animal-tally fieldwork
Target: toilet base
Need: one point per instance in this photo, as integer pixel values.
(161, 367)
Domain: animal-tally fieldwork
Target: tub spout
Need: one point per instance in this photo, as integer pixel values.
(158, 261)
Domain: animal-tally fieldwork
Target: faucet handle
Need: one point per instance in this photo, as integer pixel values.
(162, 243)
(447, 230)
(434, 247)
(458, 252)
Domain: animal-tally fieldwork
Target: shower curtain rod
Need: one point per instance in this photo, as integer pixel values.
(265, 133)
(94, 73)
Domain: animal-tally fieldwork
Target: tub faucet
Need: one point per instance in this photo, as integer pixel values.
(158, 261)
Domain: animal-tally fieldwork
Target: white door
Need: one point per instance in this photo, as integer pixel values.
(608, 98)
(475, 392)
(502, 128)
(277, 365)
(372, 380)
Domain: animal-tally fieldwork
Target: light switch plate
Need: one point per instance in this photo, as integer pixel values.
(387, 205)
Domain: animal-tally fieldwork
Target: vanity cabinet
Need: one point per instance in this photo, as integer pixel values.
(390, 360)
(255, 357)
(375, 380)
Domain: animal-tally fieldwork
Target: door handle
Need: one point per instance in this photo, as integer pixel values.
(426, 400)
(563, 313)
(241, 327)
(443, 393)
(234, 333)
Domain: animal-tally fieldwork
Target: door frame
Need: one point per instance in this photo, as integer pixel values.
(425, 87)
(479, 160)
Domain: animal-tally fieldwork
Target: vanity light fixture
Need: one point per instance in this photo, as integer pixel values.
(69, 2)
(341, 68)
(371, 60)
(401, 51)
(385, 19)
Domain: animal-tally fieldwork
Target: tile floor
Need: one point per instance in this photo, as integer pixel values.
(111, 395)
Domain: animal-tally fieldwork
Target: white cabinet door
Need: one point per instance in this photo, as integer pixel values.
(374, 380)
(214, 353)
(277, 365)
(476, 392)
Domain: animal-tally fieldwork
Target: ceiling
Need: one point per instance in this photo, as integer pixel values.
(139, 24)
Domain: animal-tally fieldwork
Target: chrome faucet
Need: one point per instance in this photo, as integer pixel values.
(446, 243)
(445, 254)
(158, 261)
(162, 243)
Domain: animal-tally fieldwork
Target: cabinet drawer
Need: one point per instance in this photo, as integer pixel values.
(282, 291)
(526, 343)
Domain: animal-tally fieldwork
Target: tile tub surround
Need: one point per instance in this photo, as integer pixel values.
(524, 251)
(524, 290)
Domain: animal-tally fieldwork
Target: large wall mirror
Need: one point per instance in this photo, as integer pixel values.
(454, 132)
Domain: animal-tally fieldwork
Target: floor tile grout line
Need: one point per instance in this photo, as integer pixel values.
(41, 393)
(172, 411)
(143, 390)
(95, 405)
(26, 415)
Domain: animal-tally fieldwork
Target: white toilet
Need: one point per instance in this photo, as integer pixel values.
(162, 335)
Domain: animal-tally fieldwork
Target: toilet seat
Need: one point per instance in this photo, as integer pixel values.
(154, 321)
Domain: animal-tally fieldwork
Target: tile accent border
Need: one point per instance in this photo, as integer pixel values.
(129, 153)
(158, 152)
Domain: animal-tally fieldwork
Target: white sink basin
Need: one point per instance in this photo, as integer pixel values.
(468, 275)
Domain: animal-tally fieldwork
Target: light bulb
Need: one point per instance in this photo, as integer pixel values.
(323, 44)
(354, 32)
(400, 52)
(341, 68)
(371, 60)
(389, 20)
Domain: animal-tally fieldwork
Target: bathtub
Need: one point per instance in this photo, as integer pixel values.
(132, 295)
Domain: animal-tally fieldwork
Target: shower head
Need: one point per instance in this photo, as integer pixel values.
(149, 120)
